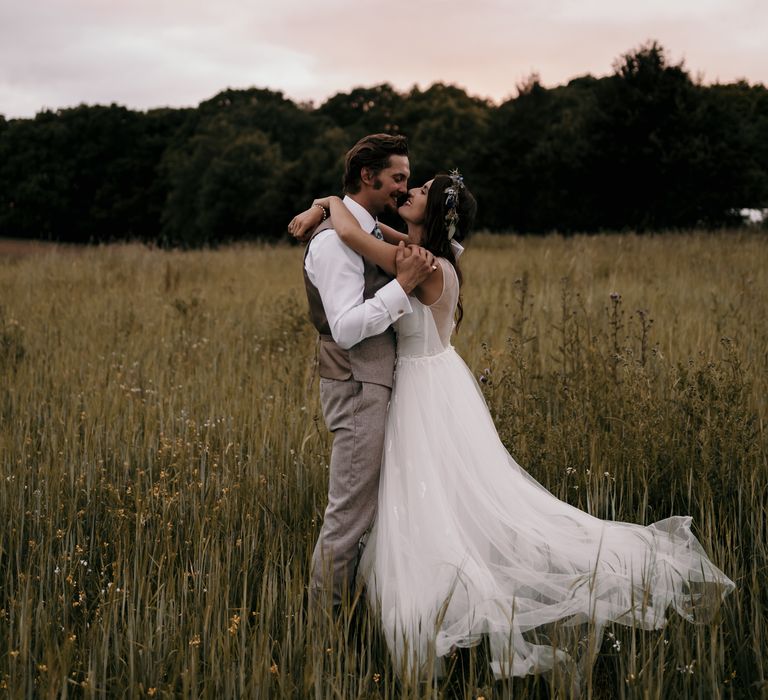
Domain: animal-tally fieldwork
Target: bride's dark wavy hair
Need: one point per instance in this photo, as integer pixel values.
(435, 238)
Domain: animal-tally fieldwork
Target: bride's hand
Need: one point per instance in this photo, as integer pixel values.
(302, 225)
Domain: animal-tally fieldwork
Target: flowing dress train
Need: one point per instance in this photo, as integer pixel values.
(466, 543)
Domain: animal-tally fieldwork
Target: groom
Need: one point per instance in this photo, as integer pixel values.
(353, 304)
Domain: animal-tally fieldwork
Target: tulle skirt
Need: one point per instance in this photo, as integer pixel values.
(467, 544)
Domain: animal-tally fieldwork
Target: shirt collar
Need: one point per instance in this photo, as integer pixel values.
(363, 216)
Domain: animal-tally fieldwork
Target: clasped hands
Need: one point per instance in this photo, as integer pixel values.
(413, 265)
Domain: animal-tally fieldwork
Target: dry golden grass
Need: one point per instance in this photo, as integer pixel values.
(164, 458)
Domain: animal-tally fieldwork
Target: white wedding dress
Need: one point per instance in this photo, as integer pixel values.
(467, 544)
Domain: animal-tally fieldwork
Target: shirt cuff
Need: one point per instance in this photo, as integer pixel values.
(395, 300)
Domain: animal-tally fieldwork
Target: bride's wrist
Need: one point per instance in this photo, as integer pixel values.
(326, 212)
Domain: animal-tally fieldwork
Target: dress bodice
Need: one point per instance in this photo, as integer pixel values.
(427, 330)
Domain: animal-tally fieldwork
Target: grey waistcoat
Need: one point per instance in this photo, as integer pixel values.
(372, 359)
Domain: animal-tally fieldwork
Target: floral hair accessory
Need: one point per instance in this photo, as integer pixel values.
(452, 201)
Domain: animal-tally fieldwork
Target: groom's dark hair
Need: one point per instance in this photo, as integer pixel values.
(372, 151)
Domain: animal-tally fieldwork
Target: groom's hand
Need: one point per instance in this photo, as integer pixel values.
(413, 265)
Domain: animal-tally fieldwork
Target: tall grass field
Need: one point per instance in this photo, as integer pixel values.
(164, 460)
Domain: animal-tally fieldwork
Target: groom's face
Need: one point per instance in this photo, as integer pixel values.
(391, 184)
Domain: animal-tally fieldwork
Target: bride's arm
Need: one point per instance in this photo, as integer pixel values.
(302, 225)
(348, 229)
(379, 252)
(392, 235)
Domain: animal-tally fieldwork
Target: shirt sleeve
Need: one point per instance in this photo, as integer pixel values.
(337, 272)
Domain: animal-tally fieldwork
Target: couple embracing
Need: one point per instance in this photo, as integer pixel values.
(461, 542)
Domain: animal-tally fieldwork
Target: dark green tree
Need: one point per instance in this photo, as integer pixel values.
(211, 196)
(642, 149)
(84, 174)
(446, 129)
(532, 166)
(365, 111)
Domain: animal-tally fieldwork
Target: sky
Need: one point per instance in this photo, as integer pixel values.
(154, 53)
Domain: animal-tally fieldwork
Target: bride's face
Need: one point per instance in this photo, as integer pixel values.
(415, 207)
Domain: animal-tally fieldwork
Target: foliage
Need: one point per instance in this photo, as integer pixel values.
(226, 167)
(644, 148)
(84, 174)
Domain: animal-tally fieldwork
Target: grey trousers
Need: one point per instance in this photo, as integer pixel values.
(355, 412)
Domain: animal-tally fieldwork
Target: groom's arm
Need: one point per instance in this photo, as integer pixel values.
(337, 272)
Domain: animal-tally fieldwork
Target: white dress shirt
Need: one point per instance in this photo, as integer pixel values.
(337, 272)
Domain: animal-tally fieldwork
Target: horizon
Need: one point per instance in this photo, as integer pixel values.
(314, 104)
(163, 53)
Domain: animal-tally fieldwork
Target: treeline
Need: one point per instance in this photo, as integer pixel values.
(645, 148)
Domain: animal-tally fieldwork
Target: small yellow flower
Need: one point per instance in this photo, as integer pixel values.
(233, 624)
(376, 677)
(151, 691)
(273, 669)
(195, 641)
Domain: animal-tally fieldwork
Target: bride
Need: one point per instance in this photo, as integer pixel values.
(465, 542)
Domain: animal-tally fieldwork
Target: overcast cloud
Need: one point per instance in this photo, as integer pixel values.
(59, 53)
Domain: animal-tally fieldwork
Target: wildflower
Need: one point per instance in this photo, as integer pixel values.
(273, 669)
(195, 641)
(234, 622)
(376, 677)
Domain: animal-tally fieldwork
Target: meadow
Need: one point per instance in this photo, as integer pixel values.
(164, 460)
